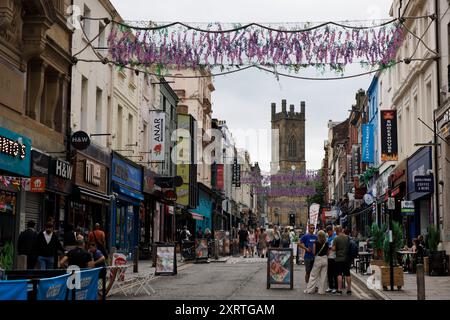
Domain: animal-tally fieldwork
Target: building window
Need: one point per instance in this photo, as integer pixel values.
(292, 147)
(130, 129)
(87, 22)
(98, 111)
(84, 104)
(119, 126)
(102, 36)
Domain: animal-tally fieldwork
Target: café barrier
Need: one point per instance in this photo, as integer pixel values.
(52, 288)
(13, 290)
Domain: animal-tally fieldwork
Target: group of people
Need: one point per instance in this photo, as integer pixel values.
(256, 241)
(45, 251)
(328, 257)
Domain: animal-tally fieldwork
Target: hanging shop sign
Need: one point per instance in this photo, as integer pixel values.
(157, 141)
(236, 177)
(220, 182)
(356, 157)
(80, 140)
(183, 190)
(15, 152)
(367, 143)
(419, 164)
(424, 184)
(389, 147)
(170, 195)
(37, 184)
(93, 173)
(407, 208)
(149, 181)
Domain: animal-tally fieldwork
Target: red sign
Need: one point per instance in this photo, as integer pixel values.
(170, 195)
(37, 184)
(220, 183)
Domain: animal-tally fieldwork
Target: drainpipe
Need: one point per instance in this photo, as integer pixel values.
(438, 76)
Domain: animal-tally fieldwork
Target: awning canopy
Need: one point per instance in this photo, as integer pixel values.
(197, 216)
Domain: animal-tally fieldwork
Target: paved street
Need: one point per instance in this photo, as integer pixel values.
(237, 279)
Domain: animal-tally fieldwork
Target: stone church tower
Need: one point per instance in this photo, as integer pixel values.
(288, 165)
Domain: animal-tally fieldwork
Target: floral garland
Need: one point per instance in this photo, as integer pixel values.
(18, 183)
(178, 47)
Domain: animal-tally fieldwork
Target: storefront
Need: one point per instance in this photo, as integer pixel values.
(15, 163)
(398, 184)
(383, 195)
(91, 201)
(203, 213)
(420, 165)
(148, 214)
(126, 178)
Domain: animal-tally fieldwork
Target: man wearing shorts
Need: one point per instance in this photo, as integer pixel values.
(342, 267)
(307, 244)
(243, 240)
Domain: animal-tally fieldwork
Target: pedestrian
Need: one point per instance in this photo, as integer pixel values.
(332, 276)
(46, 247)
(97, 256)
(184, 236)
(307, 244)
(79, 257)
(319, 270)
(69, 237)
(79, 233)
(340, 246)
(257, 233)
(98, 236)
(25, 245)
(251, 242)
(199, 233)
(243, 240)
(286, 238)
(262, 243)
(270, 235)
(276, 237)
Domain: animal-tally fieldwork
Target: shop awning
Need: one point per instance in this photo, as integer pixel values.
(94, 194)
(130, 193)
(197, 216)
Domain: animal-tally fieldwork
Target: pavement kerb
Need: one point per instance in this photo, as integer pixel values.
(363, 283)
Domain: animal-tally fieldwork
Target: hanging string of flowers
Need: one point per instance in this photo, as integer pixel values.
(18, 183)
(178, 47)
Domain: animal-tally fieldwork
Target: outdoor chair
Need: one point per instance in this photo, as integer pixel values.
(143, 283)
(119, 282)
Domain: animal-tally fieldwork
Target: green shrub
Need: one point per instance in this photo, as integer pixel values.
(7, 256)
(433, 238)
(397, 235)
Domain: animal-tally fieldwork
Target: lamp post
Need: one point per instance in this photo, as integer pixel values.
(292, 195)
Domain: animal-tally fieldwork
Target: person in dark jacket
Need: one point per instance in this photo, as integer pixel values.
(26, 241)
(47, 247)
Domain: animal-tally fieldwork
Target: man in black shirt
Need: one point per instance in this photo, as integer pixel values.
(26, 244)
(243, 240)
(78, 257)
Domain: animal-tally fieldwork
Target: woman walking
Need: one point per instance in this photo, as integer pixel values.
(262, 243)
(319, 271)
(252, 242)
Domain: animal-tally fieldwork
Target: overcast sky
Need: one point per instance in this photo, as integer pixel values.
(243, 99)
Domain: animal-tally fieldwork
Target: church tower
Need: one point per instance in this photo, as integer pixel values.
(286, 204)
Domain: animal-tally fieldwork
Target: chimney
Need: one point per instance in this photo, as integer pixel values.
(302, 107)
(283, 106)
(274, 108)
(292, 109)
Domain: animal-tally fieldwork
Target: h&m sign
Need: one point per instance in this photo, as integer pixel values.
(93, 173)
(62, 169)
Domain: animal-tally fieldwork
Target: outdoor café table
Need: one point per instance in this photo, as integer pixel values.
(409, 255)
(364, 260)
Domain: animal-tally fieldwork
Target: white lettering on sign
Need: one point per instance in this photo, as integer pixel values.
(63, 169)
(93, 173)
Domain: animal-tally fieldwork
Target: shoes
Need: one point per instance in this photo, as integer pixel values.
(316, 290)
(328, 291)
(333, 291)
(306, 292)
(339, 292)
(349, 292)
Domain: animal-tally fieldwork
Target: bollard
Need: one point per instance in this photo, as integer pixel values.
(216, 249)
(135, 259)
(420, 282)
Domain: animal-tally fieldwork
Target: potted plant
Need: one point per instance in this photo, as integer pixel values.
(377, 243)
(397, 237)
(7, 256)
(438, 266)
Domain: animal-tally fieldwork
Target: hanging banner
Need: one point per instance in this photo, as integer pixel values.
(89, 285)
(314, 213)
(356, 157)
(53, 288)
(389, 146)
(236, 178)
(157, 139)
(367, 143)
(220, 182)
(13, 290)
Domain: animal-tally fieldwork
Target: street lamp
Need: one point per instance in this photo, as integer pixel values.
(292, 190)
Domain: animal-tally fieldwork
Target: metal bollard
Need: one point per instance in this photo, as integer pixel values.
(420, 282)
(135, 259)
(216, 249)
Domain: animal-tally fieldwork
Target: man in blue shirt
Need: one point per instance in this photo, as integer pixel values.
(307, 244)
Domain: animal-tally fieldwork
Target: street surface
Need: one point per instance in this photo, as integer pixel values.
(237, 279)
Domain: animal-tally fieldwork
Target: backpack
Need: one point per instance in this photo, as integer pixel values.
(353, 249)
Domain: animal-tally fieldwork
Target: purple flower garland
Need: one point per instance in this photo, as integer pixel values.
(184, 48)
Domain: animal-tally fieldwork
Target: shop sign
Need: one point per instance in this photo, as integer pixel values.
(15, 152)
(149, 181)
(37, 184)
(236, 178)
(93, 173)
(170, 195)
(389, 147)
(80, 140)
(367, 143)
(407, 208)
(419, 165)
(126, 174)
(424, 183)
(62, 169)
(157, 136)
(220, 182)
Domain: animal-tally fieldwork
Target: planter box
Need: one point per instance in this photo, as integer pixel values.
(438, 263)
(426, 265)
(399, 280)
(379, 263)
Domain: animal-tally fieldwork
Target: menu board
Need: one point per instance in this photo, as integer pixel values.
(166, 261)
(280, 267)
(201, 249)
